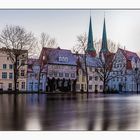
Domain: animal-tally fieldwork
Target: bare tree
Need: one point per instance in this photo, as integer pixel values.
(105, 68)
(80, 47)
(45, 42)
(136, 76)
(16, 42)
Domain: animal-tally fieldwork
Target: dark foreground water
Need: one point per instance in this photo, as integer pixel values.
(45, 112)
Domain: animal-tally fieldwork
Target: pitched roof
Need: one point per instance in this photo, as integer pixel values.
(129, 54)
(58, 56)
(90, 61)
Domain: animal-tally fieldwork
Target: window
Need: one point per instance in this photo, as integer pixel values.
(23, 85)
(10, 66)
(96, 78)
(7, 58)
(90, 69)
(40, 86)
(10, 86)
(17, 85)
(4, 75)
(82, 86)
(42, 75)
(10, 75)
(36, 86)
(78, 86)
(63, 59)
(101, 87)
(72, 75)
(22, 72)
(66, 74)
(31, 86)
(55, 74)
(22, 62)
(18, 62)
(90, 77)
(125, 78)
(83, 78)
(90, 87)
(61, 74)
(4, 66)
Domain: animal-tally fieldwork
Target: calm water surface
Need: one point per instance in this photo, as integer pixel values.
(46, 112)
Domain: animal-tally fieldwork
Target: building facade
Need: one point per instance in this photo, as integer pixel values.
(61, 69)
(125, 68)
(34, 71)
(7, 73)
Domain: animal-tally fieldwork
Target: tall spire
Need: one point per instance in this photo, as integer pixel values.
(90, 46)
(104, 47)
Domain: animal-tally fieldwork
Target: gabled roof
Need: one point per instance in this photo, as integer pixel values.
(129, 54)
(57, 56)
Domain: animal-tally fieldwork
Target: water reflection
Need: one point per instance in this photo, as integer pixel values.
(69, 112)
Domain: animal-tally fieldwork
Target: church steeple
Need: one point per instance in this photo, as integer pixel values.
(90, 46)
(104, 47)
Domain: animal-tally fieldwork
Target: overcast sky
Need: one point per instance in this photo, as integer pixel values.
(122, 26)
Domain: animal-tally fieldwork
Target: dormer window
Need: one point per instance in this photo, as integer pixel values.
(63, 59)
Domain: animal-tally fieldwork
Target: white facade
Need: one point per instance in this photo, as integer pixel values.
(7, 73)
(33, 79)
(124, 67)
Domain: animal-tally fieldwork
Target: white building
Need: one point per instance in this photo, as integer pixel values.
(7, 73)
(124, 70)
(34, 71)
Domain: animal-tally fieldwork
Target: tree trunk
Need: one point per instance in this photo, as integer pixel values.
(86, 71)
(39, 81)
(104, 86)
(137, 88)
(15, 76)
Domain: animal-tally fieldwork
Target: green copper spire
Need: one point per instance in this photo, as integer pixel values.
(90, 45)
(104, 47)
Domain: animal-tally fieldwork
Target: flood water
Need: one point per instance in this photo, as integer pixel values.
(69, 112)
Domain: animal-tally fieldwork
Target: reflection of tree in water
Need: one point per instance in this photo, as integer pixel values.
(11, 112)
(91, 116)
(107, 114)
(124, 115)
(116, 115)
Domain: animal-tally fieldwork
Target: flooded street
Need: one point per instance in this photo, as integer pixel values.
(65, 112)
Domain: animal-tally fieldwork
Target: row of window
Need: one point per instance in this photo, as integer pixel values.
(96, 78)
(5, 74)
(5, 66)
(10, 86)
(90, 87)
(120, 79)
(72, 75)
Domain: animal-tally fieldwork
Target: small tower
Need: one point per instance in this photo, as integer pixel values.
(90, 46)
(104, 48)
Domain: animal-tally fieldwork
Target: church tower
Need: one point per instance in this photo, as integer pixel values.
(90, 45)
(104, 47)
